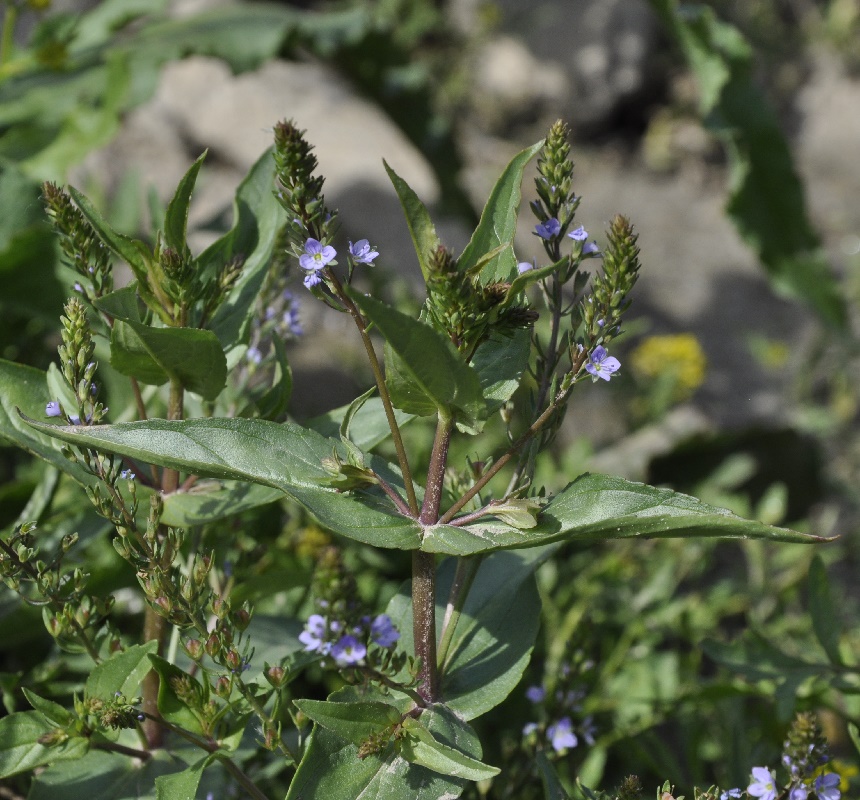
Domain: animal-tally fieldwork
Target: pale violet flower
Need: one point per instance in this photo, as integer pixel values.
(763, 785)
(254, 355)
(590, 248)
(361, 252)
(731, 794)
(535, 694)
(316, 255)
(525, 266)
(53, 409)
(549, 229)
(529, 728)
(348, 650)
(579, 235)
(313, 636)
(383, 632)
(561, 735)
(799, 792)
(827, 786)
(311, 280)
(600, 364)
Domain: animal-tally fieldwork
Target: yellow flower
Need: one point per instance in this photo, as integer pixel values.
(678, 358)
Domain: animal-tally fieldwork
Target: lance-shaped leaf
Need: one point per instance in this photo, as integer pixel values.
(356, 721)
(122, 672)
(421, 228)
(20, 749)
(258, 219)
(371, 424)
(498, 223)
(190, 356)
(176, 217)
(430, 373)
(420, 747)
(599, 507)
(285, 456)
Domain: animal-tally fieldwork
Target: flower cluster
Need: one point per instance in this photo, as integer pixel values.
(348, 644)
(564, 725)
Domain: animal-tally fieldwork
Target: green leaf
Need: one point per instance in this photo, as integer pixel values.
(209, 501)
(498, 224)
(766, 200)
(25, 387)
(122, 672)
(19, 744)
(155, 355)
(104, 776)
(601, 507)
(421, 228)
(500, 363)
(176, 217)
(355, 722)
(332, 769)
(133, 252)
(121, 304)
(371, 423)
(494, 638)
(552, 788)
(258, 218)
(170, 706)
(527, 278)
(284, 456)
(51, 711)
(430, 373)
(181, 785)
(420, 747)
(822, 609)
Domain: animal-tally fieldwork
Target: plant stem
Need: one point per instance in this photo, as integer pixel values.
(424, 622)
(375, 366)
(424, 566)
(467, 569)
(154, 627)
(517, 445)
(115, 747)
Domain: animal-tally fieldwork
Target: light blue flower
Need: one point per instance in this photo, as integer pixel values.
(313, 636)
(53, 409)
(529, 728)
(579, 235)
(535, 694)
(348, 650)
(561, 735)
(731, 794)
(254, 355)
(763, 785)
(799, 792)
(312, 279)
(590, 248)
(549, 229)
(600, 364)
(827, 786)
(361, 252)
(316, 255)
(383, 632)
(525, 266)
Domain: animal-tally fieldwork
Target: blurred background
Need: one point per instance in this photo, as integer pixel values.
(729, 133)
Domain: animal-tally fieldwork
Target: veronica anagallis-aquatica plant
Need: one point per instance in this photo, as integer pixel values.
(215, 439)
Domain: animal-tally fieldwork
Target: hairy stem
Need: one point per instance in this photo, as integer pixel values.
(376, 367)
(424, 622)
(154, 627)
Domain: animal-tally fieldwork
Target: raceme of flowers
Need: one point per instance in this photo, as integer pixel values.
(318, 256)
(347, 646)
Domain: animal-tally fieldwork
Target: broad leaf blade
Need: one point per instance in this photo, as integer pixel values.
(122, 672)
(355, 721)
(600, 507)
(191, 356)
(498, 223)
(284, 456)
(371, 423)
(20, 750)
(421, 228)
(500, 363)
(420, 747)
